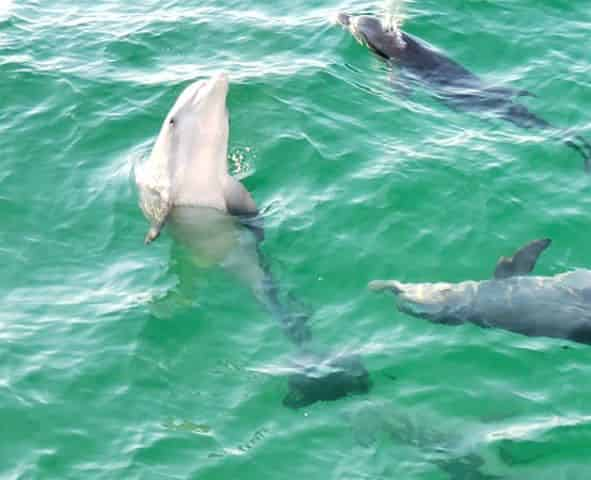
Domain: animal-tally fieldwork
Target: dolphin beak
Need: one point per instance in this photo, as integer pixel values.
(219, 82)
(409, 297)
(351, 24)
(344, 19)
(220, 79)
(417, 299)
(392, 285)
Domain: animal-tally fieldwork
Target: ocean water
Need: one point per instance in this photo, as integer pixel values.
(119, 360)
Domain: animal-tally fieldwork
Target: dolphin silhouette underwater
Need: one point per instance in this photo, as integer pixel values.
(452, 83)
(379, 424)
(557, 306)
(185, 184)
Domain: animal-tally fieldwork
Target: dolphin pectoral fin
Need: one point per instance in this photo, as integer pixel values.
(153, 234)
(156, 205)
(523, 261)
(156, 228)
(238, 199)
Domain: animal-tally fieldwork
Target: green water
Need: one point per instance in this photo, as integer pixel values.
(114, 365)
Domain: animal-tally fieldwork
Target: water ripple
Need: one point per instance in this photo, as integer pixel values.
(119, 358)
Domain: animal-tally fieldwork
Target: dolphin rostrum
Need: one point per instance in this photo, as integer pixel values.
(557, 306)
(452, 83)
(185, 184)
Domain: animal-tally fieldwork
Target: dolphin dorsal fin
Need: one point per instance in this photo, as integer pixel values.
(523, 260)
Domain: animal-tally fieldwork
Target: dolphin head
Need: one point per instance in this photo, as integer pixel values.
(438, 302)
(370, 31)
(198, 118)
(189, 156)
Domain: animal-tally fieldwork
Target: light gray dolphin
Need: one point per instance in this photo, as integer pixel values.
(185, 184)
(558, 306)
(188, 165)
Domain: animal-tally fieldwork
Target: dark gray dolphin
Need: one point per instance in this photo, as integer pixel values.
(185, 185)
(558, 306)
(454, 84)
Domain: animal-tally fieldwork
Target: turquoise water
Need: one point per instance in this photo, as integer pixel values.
(121, 361)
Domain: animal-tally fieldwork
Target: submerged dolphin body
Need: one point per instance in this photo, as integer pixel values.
(185, 184)
(455, 452)
(558, 306)
(452, 83)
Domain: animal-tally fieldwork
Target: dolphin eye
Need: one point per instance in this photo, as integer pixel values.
(171, 122)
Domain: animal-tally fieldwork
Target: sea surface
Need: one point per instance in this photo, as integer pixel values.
(120, 361)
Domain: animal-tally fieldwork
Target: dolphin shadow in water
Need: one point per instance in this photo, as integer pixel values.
(558, 306)
(185, 184)
(451, 452)
(452, 83)
(467, 467)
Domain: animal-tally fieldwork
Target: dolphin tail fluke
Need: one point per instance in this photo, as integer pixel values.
(519, 115)
(582, 146)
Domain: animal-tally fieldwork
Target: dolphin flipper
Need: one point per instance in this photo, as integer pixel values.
(523, 261)
(157, 207)
(238, 199)
(153, 233)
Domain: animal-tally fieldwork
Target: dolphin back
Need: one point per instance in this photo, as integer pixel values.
(558, 306)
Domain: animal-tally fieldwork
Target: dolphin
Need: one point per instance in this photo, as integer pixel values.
(375, 423)
(557, 306)
(451, 82)
(186, 186)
